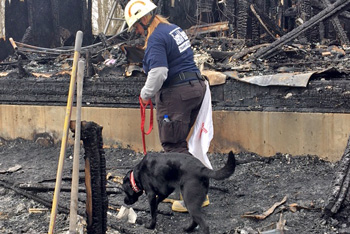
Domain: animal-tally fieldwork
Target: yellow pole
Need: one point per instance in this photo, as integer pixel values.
(78, 42)
(75, 174)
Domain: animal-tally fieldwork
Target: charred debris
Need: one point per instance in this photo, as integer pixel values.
(277, 45)
(242, 38)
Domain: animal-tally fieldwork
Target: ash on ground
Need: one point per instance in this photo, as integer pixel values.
(239, 204)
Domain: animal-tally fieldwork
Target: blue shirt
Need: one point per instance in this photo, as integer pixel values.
(169, 46)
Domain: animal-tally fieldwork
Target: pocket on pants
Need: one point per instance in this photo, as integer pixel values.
(172, 132)
(190, 95)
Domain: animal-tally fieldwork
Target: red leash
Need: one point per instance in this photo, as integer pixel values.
(143, 119)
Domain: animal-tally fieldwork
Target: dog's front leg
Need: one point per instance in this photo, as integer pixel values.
(153, 204)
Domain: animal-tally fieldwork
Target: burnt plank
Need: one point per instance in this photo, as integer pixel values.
(333, 9)
(323, 94)
(337, 26)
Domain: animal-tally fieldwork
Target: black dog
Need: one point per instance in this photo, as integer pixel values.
(158, 174)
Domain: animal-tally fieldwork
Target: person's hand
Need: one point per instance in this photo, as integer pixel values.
(144, 101)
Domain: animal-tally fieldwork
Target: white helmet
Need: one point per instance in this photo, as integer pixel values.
(136, 9)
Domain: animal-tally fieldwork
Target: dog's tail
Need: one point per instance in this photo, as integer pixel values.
(224, 172)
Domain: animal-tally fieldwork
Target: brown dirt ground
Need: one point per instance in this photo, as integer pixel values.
(257, 184)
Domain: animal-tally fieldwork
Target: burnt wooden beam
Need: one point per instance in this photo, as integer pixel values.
(95, 176)
(337, 26)
(87, 24)
(270, 27)
(42, 188)
(229, 11)
(340, 186)
(55, 22)
(252, 8)
(246, 51)
(333, 9)
(345, 14)
(233, 41)
(34, 197)
(319, 6)
(207, 28)
(242, 19)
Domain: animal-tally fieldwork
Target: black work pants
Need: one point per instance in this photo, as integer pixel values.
(181, 103)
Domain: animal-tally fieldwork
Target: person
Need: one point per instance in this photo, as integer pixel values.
(172, 77)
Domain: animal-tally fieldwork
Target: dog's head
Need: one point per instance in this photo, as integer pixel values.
(132, 193)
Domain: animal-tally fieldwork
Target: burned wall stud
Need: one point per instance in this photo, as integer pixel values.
(95, 176)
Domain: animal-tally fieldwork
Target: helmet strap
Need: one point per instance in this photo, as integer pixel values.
(145, 27)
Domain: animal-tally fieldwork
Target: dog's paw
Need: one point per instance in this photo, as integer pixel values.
(190, 228)
(150, 225)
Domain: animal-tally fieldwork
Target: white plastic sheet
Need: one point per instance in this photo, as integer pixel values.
(203, 131)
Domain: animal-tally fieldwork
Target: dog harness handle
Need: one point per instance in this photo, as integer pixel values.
(143, 119)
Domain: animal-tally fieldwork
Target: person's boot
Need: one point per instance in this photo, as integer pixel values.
(179, 206)
(173, 197)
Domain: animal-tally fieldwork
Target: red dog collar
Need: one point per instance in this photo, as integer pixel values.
(133, 183)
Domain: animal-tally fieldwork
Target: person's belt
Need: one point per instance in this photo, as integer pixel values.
(182, 77)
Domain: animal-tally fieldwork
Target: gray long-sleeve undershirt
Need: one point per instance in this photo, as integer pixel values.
(155, 79)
